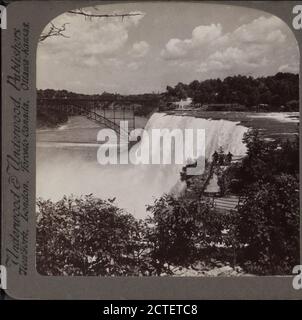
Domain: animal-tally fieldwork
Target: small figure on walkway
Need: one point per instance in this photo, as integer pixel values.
(221, 157)
(215, 157)
(229, 158)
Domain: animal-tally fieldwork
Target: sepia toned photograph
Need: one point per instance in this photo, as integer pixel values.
(167, 142)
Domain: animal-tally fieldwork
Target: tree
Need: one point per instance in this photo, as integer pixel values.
(271, 92)
(88, 236)
(181, 227)
(267, 223)
(264, 160)
(265, 230)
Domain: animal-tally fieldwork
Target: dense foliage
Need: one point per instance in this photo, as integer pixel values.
(87, 236)
(268, 224)
(90, 236)
(180, 228)
(267, 220)
(265, 160)
(279, 92)
(65, 94)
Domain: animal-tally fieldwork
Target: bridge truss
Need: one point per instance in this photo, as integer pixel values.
(107, 113)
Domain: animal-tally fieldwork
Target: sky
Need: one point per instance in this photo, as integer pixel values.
(166, 44)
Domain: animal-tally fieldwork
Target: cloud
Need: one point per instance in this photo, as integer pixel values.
(212, 65)
(109, 54)
(205, 34)
(92, 51)
(250, 48)
(133, 65)
(92, 61)
(90, 39)
(292, 67)
(232, 58)
(261, 30)
(139, 49)
(112, 62)
(201, 35)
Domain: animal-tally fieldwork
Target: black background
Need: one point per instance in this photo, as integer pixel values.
(93, 309)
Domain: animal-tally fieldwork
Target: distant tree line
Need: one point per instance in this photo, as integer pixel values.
(279, 92)
(65, 94)
(237, 93)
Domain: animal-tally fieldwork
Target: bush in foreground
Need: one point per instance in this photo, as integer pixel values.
(267, 223)
(87, 236)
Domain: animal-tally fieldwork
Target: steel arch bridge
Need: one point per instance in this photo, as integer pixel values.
(105, 112)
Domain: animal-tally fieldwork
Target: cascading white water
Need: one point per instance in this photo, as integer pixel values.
(134, 186)
(219, 133)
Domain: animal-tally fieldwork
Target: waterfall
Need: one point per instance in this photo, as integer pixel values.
(133, 186)
(219, 133)
(164, 178)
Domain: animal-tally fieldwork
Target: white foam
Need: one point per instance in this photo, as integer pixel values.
(279, 116)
